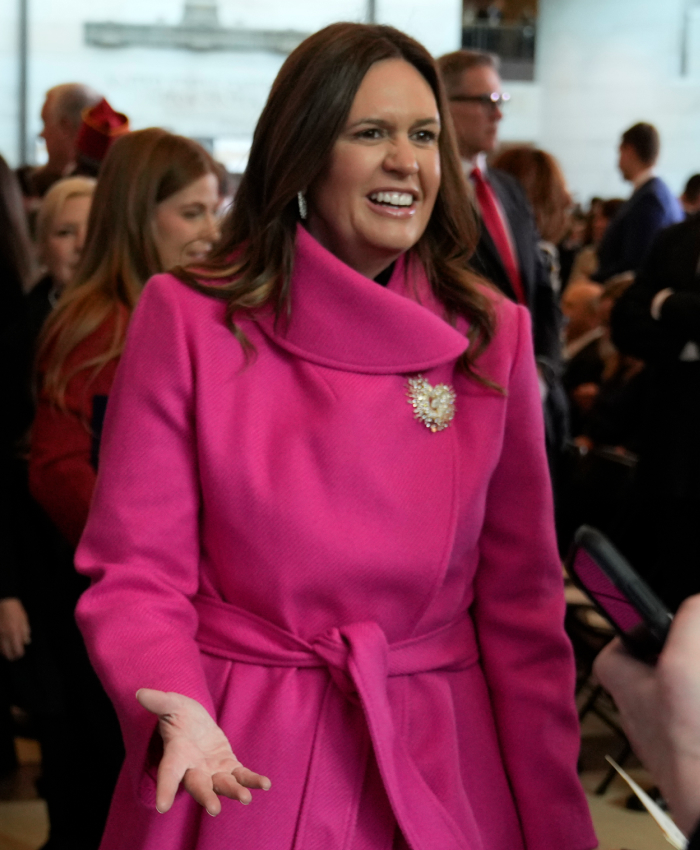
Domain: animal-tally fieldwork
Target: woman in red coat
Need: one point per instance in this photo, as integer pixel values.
(322, 530)
(155, 206)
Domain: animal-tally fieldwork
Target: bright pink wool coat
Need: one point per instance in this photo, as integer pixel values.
(370, 610)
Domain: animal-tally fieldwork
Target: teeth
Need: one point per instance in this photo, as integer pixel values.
(396, 199)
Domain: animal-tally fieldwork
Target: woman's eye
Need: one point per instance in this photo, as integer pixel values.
(370, 133)
(190, 215)
(425, 136)
(64, 231)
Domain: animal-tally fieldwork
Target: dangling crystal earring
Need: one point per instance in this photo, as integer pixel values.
(303, 209)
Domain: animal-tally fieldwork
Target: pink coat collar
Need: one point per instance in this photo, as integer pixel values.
(340, 318)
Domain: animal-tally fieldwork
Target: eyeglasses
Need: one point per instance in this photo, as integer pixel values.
(495, 100)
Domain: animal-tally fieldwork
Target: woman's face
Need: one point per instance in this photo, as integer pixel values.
(66, 239)
(375, 198)
(186, 224)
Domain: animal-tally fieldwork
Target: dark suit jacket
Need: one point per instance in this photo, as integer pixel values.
(546, 317)
(663, 537)
(629, 235)
(541, 299)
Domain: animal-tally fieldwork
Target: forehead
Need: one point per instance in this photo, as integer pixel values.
(390, 87)
(73, 205)
(203, 189)
(47, 108)
(480, 80)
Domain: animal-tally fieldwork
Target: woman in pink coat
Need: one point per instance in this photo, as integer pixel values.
(322, 528)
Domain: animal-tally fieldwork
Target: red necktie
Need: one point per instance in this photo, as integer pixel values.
(494, 224)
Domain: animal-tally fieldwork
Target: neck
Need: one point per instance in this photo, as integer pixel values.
(642, 176)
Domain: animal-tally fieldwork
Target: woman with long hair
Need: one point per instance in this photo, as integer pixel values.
(545, 186)
(155, 207)
(322, 528)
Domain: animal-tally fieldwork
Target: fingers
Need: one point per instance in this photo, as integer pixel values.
(201, 787)
(12, 646)
(227, 785)
(206, 788)
(170, 774)
(615, 663)
(158, 702)
(250, 779)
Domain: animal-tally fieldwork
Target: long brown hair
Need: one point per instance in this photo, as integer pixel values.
(305, 112)
(545, 186)
(141, 170)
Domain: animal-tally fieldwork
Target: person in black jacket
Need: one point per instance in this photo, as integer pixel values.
(658, 321)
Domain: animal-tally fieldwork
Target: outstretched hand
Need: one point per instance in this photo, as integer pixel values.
(197, 753)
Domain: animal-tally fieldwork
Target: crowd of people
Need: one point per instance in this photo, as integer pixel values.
(278, 555)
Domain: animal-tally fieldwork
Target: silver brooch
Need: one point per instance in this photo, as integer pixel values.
(433, 406)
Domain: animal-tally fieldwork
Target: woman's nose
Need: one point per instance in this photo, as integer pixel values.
(80, 239)
(211, 230)
(401, 157)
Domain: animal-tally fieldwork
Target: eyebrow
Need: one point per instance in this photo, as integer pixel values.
(380, 122)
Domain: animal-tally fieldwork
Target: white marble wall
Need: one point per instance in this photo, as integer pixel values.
(203, 94)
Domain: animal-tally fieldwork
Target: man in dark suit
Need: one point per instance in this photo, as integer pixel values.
(508, 253)
(651, 207)
(658, 320)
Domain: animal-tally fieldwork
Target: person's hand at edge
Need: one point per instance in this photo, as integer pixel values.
(197, 753)
(660, 710)
(15, 633)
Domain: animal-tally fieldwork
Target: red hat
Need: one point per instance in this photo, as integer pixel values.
(101, 125)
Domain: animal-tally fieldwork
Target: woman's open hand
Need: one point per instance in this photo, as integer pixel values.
(197, 753)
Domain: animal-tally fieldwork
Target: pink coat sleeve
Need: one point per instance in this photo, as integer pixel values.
(519, 613)
(141, 543)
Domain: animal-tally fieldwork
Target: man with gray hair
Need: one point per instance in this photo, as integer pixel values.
(61, 114)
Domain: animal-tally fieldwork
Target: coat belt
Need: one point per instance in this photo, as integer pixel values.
(359, 660)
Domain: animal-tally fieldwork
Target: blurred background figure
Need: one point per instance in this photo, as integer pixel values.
(61, 228)
(62, 116)
(690, 199)
(658, 321)
(545, 186)
(99, 127)
(607, 392)
(651, 207)
(16, 272)
(583, 359)
(573, 243)
(600, 214)
(155, 206)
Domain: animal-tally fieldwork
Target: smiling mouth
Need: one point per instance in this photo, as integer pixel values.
(398, 200)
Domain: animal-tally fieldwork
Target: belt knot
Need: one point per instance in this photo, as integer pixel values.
(335, 647)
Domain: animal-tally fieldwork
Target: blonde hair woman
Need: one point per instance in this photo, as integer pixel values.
(61, 228)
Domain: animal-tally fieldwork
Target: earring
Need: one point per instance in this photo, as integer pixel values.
(303, 209)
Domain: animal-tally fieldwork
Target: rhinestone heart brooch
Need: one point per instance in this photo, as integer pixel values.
(433, 406)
